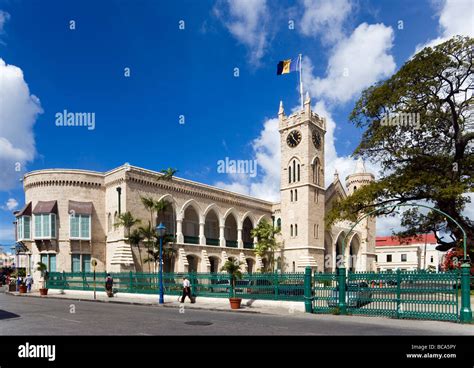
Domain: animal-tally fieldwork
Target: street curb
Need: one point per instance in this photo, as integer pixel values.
(187, 306)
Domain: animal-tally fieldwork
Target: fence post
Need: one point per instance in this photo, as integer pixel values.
(465, 314)
(308, 282)
(64, 280)
(275, 287)
(130, 283)
(342, 290)
(399, 296)
(231, 287)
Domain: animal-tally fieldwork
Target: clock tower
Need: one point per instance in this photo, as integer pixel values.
(302, 188)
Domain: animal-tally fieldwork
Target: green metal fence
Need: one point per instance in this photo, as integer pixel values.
(400, 294)
(273, 286)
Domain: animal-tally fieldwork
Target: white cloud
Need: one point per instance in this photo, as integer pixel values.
(266, 150)
(18, 113)
(324, 18)
(355, 63)
(456, 17)
(10, 204)
(247, 21)
(4, 17)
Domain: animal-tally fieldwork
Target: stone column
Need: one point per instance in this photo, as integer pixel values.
(240, 243)
(334, 254)
(221, 235)
(202, 237)
(179, 231)
(255, 241)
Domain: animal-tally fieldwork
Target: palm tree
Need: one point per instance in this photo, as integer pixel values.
(233, 269)
(127, 220)
(149, 239)
(149, 204)
(134, 239)
(266, 243)
(168, 252)
(167, 174)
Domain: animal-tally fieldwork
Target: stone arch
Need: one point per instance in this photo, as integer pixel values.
(216, 263)
(250, 264)
(194, 204)
(247, 227)
(211, 225)
(231, 226)
(213, 207)
(354, 250)
(251, 217)
(168, 217)
(338, 244)
(266, 217)
(190, 226)
(194, 262)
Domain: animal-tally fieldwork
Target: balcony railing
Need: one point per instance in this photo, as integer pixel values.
(211, 241)
(191, 239)
(248, 245)
(231, 243)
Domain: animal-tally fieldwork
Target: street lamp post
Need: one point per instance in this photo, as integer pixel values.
(160, 232)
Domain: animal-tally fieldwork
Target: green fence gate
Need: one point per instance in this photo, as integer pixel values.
(271, 286)
(400, 294)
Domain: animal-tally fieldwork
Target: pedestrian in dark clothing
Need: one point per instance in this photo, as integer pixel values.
(109, 284)
(186, 291)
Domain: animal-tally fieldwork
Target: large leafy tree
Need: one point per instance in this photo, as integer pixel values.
(266, 243)
(432, 162)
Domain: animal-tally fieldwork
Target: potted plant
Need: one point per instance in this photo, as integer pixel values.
(44, 275)
(233, 269)
(12, 285)
(22, 287)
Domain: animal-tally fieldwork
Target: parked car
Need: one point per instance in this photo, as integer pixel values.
(357, 295)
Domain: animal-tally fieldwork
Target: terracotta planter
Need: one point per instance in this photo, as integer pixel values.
(43, 291)
(22, 289)
(235, 303)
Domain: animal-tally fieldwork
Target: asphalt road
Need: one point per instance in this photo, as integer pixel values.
(40, 316)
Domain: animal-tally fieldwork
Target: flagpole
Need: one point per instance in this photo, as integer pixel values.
(301, 83)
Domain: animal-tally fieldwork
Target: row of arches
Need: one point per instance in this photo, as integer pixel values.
(192, 223)
(352, 253)
(216, 263)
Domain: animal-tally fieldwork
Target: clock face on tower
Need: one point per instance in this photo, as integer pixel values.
(294, 138)
(317, 140)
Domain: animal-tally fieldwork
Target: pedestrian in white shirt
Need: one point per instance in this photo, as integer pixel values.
(186, 290)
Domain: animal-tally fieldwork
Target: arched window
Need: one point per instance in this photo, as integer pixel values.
(294, 266)
(291, 196)
(279, 223)
(296, 230)
(289, 174)
(294, 170)
(298, 172)
(291, 230)
(355, 188)
(296, 195)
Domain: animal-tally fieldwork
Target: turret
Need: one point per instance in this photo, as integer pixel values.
(359, 177)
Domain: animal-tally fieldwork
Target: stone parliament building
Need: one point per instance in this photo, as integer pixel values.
(69, 215)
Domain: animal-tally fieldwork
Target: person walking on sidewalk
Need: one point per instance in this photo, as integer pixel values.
(109, 284)
(28, 282)
(186, 290)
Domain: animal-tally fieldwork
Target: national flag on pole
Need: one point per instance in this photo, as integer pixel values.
(288, 66)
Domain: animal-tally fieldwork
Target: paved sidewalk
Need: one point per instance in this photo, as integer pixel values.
(274, 307)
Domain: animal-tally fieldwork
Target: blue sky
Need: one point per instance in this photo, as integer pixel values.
(189, 72)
